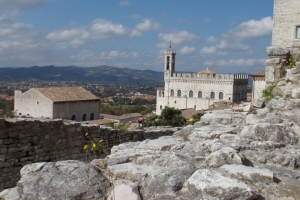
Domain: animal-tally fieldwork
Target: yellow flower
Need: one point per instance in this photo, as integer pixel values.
(100, 141)
(191, 120)
(86, 134)
(85, 147)
(94, 145)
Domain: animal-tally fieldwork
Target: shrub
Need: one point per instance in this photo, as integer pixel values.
(267, 92)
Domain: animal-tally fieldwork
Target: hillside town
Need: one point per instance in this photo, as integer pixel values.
(200, 135)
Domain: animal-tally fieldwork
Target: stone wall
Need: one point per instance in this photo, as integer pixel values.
(25, 141)
(286, 19)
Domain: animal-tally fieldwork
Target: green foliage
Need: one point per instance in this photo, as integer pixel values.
(169, 117)
(121, 127)
(291, 62)
(11, 114)
(267, 92)
(196, 118)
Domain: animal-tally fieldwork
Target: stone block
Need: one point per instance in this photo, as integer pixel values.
(270, 74)
(278, 51)
(273, 61)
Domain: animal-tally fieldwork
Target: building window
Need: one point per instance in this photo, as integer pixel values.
(172, 93)
(160, 107)
(163, 94)
(221, 95)
(212, 95)
(191, 93)
(73, 117)
(159, 94)
(84, 117)
(179, 93)
(168, 62)
(37, 102)
(297, 32)
(199, 94)
(92, 116)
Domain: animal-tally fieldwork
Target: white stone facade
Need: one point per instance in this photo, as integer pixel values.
(33, 103)
(198, 90)
(286, 23)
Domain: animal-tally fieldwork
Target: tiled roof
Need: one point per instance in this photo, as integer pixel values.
(207, 71)
(261, 73)
(60, 94)
(125, 116)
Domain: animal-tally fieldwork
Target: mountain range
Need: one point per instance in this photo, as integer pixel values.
(100, 74)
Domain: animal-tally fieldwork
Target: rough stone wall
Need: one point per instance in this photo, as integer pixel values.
(27, 141)
(286, 18)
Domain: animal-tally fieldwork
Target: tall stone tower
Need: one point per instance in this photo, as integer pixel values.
(286, 27)
(169, 62)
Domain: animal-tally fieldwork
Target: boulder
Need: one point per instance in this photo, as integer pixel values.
(215, 118)
(62, 180)
(221, 157)
(270, 132)
(212, 185)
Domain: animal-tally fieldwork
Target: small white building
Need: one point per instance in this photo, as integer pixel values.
(198, 90)
(74, 103)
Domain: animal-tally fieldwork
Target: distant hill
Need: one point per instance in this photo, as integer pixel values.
(100, 74)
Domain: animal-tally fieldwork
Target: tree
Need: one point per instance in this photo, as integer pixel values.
(169, 117)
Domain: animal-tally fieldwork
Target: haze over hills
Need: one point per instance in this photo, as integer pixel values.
(100, 74)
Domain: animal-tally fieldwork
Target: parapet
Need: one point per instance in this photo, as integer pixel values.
(208, 77)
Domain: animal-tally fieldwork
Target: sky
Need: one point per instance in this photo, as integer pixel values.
(227, 36)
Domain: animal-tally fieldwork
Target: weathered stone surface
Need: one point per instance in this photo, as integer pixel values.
(277, 51)
(250, 173)
(10, 194)
(270, 132)
(125, 191)
(215, 118)
(212, 185)
(258, 102)
(270, 74)
(62, 180)
(221, 157)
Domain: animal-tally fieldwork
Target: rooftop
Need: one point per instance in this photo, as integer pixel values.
(60, 94)
(207, 71)
(260, 73)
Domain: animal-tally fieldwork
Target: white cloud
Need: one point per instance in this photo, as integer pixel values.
(147, 25)
(208, 50)
(237, 62)
(178, 38)
(187, 50)
(252, 29)
(21, 4)
(102, 29)
(211, 39)
(124, 3)
(68, 34)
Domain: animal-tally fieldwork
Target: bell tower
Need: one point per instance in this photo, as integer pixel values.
(169, 62)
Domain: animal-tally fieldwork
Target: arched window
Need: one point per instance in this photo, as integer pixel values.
(212, 95)
(199, 94)
(84, 117)
(92, 116)
(172, 93)
(73, 117)
(160, 107)
(221, 95)
(191, 93)
(179, 93)
(168, 62)
(163, 94)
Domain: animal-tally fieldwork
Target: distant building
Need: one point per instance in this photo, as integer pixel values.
(74, 103)
(258, 85)
(131, 117)
(198, 90)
